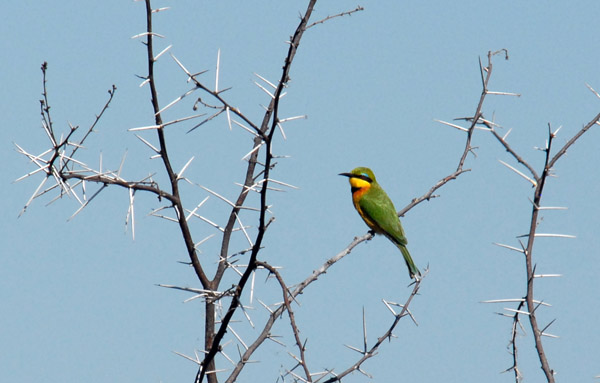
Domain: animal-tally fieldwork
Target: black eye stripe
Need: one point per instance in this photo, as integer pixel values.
(363, 177)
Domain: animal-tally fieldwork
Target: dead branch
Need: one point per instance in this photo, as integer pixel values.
(267, 136)
(486, 74)
(387, 335)
(539, 181)
(295, 330)
(346, 13)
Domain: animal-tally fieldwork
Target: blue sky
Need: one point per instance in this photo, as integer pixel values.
(80, 297)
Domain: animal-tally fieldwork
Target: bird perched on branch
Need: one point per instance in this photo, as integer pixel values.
(377, 210)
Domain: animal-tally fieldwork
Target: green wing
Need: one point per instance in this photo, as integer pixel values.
(378, 207)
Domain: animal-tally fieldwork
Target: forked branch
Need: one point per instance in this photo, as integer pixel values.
(539, 182)
(268, 128)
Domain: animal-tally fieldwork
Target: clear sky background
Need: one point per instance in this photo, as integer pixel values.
(79, 298)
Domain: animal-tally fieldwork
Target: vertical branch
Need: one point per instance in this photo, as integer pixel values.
(539, 183)
(177, 204)
(295, 330)
(537, 335)
(549, 163)
(270, 115)
(484, 91)
(476, 119)
(513, 343)
(45, 105)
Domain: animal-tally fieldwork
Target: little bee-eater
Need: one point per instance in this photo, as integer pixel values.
(377, 210)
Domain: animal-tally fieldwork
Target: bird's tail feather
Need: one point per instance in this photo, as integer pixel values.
(412, 268)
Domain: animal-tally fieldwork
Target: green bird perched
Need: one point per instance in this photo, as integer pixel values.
(377, 210)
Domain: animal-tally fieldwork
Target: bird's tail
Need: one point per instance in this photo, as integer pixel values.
(412, 268)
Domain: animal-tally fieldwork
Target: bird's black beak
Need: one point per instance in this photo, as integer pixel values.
(346, 174)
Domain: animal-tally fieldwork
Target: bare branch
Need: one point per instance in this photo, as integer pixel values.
(563, 150)
(427, 196)
(286, 301)
(517, 157)
(532, 234)
(373, 350)
(346, 13)
(468, 148)
(266, 133)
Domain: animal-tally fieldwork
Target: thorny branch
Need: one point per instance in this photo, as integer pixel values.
(539, 183)
(60, 166)
(295, 330)
(513, 342)
(427, 196)
(263, 137)
(298, 290)
(265, 334)
(266, 137)
(387, 335)
(62, 171)
(346, 13)
(173, 177)
(486, 74)
(460, 169)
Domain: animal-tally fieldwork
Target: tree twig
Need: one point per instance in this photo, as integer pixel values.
(540, 182)
(273, 117)
(346, 13)
(295, 330)
(372, 351)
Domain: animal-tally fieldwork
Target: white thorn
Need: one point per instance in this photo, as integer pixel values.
(237, 336)
(176, 101)
(228, 117)
(517, 311)
(160, 9)
(148, 143)
(355, 349)
(218, 196)
(244, 127)
(252, 151)
(554, 235)
(549, 335)
(193, 212)
(518, 172)
(217, 75)
(509, 247)
(181, 65)
(146, 34)
(593, 91)
(180, 174)
(293, 118)
(504, 93)
(202, 241)
(265, 80)
(452, 125)
(547, 275)
(131, 212)
(162, 52)
(264, 90)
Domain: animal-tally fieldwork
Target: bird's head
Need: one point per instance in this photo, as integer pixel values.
(360, 177)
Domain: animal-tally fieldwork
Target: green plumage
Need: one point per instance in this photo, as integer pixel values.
(378, 211)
